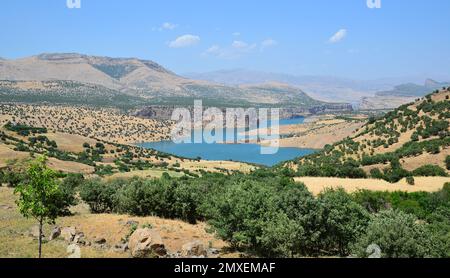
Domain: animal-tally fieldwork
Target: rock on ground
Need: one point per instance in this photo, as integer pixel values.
(56, 232)
(194, 249)
(146, 243)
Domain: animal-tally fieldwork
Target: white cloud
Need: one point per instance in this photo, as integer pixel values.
(237, 49)
(268, 43)
(236, 34)
(168, 26)
(339, 36)
(239, 44)
(184, 41)
(213, 50)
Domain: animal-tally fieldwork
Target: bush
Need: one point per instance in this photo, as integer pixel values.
(73, 181)
(372, 201)
(447, 162)
(240, 214)
(100, 196)
(164, 198)
(344, 220)
(13, 178)
(429, 171)
(399, 235)
(410, 180)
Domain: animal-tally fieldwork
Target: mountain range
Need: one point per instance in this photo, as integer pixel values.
(326, 88)
(146, 82)
(400, 94)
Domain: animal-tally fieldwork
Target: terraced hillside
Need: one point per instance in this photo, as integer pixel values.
(410, 141)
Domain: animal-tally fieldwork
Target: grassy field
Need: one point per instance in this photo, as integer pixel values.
(427, 184)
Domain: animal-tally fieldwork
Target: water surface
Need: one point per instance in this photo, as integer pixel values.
(250, 153)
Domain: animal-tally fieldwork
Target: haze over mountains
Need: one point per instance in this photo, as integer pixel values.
(137, 78)
(401, 94)
(326, 88)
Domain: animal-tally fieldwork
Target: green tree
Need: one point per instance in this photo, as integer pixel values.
(39, 195)
(399, 235)
(343, 219)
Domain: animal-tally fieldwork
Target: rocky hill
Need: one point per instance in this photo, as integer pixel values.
(412, 140)
(147, 82)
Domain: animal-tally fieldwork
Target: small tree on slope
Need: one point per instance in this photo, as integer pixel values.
(39, 195)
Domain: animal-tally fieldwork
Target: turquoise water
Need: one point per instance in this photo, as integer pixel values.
(250, 153)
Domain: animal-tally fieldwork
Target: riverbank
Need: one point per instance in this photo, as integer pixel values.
(314, 132)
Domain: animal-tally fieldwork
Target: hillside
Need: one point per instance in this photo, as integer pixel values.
(325, 88)
(106, 81)
(66, 92)
(90, 141)
(400, 95)
(412, 140)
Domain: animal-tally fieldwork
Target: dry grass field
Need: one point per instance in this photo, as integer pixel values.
(426, 184)
(216, 166)
(16, 243)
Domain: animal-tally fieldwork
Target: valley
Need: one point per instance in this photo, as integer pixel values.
(105, 133)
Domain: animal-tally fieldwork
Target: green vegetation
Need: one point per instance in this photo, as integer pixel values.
(399, 236)
(24, 130)
(267, 214)
(345, 159)
(40, 196)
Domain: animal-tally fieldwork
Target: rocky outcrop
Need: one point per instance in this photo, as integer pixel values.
(165, 112)
(146, 243)
(68, 233)
(56, 232)
(194, 249)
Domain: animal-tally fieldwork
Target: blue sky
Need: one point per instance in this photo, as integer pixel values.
(313, 37)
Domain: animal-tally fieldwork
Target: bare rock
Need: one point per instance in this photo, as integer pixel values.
(146, 243)
(99, 240)
(74, 251)
(68, 233)
(79, 239)
(56, 232)
(5, 207)
(194, 249)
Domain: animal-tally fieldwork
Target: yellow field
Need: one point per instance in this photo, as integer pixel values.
(427, 184)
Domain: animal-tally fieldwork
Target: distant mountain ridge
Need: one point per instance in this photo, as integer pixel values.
(147, 82)
(401, 94)
(414, 90)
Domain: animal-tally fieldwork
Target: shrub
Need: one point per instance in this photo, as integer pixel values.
(372, 201)
(343, 219)
(430, 171)
(410, 180)
(73, 181)
(100, 196)
(13, 178)
(399, 235)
